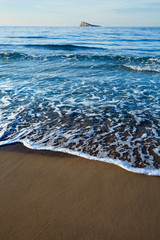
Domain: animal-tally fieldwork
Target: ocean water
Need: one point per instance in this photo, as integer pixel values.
(92, 92)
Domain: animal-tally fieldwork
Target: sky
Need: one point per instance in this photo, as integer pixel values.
(72, 12)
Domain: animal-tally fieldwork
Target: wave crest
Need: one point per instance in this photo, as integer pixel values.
(142, 69)
(16, 56)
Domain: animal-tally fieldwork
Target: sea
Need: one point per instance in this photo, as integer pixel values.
(88, 91)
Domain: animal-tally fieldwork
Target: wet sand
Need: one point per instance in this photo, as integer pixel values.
(46, 195)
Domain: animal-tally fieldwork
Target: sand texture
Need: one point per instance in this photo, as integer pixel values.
(45, 196)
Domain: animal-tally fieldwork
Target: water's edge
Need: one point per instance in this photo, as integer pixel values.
(117, 162)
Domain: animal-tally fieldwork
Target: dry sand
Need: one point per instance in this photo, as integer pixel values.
(46, 195)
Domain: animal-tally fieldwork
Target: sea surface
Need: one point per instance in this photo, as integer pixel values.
(92, 92)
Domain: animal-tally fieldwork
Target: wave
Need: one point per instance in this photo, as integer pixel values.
(112, 40)
(141, 69)
(115, 58)
(60, 46)
(28, 37)
(136, 40)
(53, 46)
(16, 56)
(32, 37)
(141, 64)
(117, 162)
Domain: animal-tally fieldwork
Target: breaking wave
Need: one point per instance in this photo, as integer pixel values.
(142, 69)
(149, 64)
(16, 56)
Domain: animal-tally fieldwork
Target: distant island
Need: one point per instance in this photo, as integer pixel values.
(85, 24)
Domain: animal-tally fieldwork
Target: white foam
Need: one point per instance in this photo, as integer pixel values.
(157, 151)
(6, 100)
(144, 135)
(141, 69)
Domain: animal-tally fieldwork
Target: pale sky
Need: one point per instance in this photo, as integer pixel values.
(72, 12)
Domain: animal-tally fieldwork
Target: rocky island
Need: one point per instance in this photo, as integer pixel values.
(85, 24)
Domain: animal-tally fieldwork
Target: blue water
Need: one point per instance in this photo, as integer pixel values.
(93, 92)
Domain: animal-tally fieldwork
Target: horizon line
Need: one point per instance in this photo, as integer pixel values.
(75, 26)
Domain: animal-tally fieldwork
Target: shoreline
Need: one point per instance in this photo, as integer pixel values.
(49, 195)
(120, 163)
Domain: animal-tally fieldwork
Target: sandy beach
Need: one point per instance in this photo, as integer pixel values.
(48, 195)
